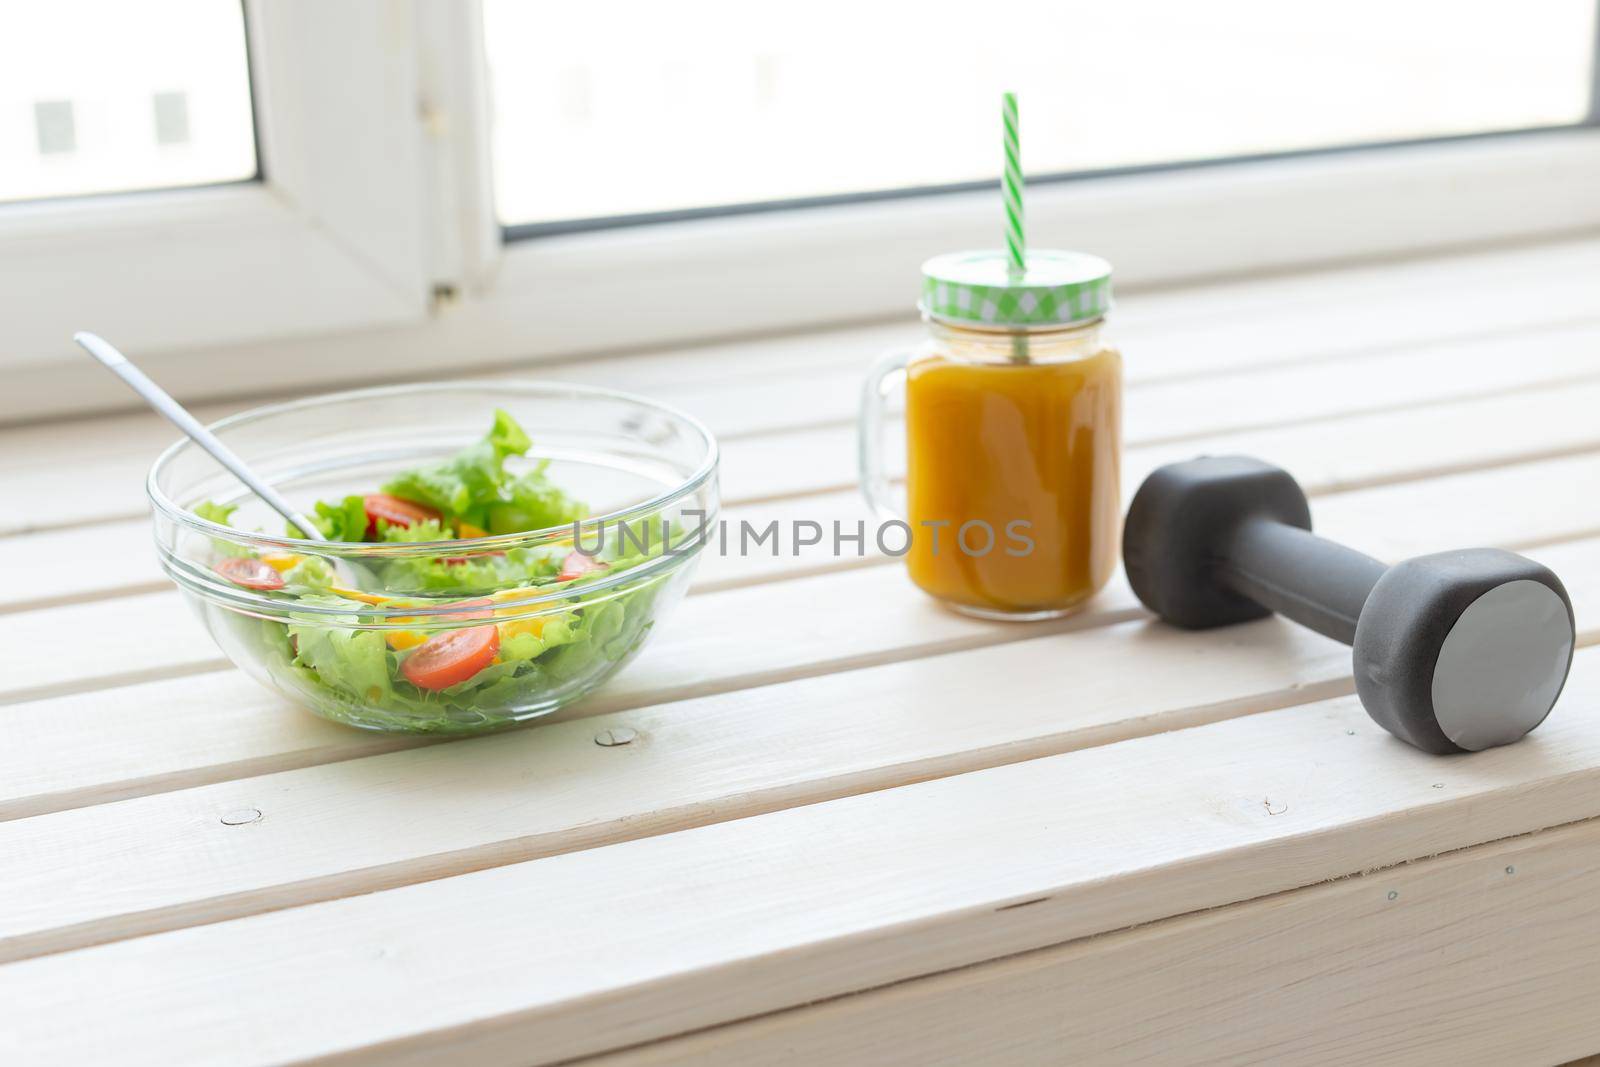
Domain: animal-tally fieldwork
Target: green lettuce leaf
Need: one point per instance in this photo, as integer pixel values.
(471, 487)
(342, 521)
(222, 515)
(532, 502)
(475, 574)
(354, 663)
(463, 487)
(416, 533)
(312, 572)
(351, 675)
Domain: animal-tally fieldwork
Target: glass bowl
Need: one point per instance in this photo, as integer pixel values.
(647, 472)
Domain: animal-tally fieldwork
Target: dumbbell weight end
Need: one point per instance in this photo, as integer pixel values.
(1452, 652)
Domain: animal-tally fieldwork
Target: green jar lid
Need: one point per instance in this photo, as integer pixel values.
(978, 289)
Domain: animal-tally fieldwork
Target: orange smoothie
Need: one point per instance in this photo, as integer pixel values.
(1013, 483)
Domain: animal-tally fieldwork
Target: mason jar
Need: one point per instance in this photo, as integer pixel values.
(1013, 435)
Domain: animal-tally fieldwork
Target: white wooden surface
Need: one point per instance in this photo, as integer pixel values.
(1500, 964)
(853, 827)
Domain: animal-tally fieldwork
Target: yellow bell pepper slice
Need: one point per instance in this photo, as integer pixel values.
(400, 640)
(534, 626)
(356, 594)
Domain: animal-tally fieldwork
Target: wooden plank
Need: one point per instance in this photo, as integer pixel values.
(1168, 398)
(1349, 452)
(1489, 956)
(115, 559)
(336, 830)
(1205, 401)
(1379, 379)
(760, 385)
(112, 642)
(79, 563)
(745, 636)
(1518, 507)
(608, 947)
(1414, 290)
(1376, 459)
(174, 734)
(1534, 504)
(331, 831)
(367, 825)
(822, 458)
(1370, 449)
(222, 725)
(1355, 451)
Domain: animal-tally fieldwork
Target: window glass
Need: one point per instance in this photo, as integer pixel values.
(113, 95)
(637, 107)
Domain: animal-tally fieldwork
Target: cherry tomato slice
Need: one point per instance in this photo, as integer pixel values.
(450, 658)
(576, 565)
(394, 511)
(250, 573)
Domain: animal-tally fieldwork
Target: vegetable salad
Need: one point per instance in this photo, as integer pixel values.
(469, 669)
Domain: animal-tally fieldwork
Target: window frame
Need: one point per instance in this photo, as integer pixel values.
(309, 246)
(370, 249)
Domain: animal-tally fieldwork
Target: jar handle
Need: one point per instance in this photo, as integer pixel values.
(886, 375)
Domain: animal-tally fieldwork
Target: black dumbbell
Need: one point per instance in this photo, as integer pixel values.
(1453, 652)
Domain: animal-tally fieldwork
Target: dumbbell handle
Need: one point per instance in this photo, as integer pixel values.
(1299, 575)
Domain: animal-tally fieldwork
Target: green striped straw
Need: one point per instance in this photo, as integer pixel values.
(1011, 194)
(1011, 186)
